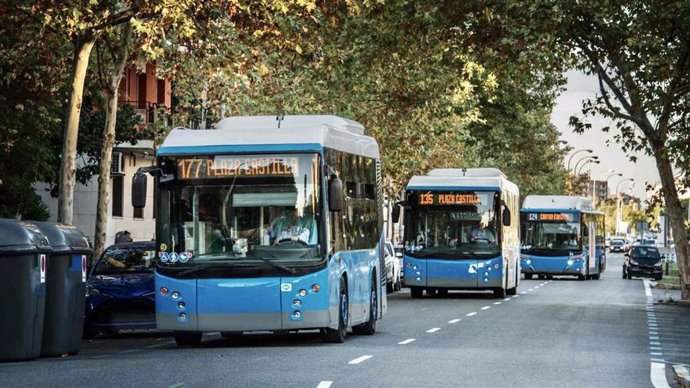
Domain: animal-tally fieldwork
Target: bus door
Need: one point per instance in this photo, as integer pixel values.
(592, 247)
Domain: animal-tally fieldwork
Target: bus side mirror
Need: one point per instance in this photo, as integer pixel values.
(506, 217)
(139, 190)
(335, 194)
(395, 214)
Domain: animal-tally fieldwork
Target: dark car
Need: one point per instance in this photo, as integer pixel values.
(120, 290)
(643, 261)
(617, 245)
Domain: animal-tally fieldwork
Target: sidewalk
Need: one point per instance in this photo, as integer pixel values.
(673, 334)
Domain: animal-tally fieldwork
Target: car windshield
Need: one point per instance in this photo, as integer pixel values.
(453, 225)
(551, 232)
(125, 260)
(646, 253)
(617, 242)
(241, 210)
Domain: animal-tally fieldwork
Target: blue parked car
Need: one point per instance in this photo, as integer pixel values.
(120, 290)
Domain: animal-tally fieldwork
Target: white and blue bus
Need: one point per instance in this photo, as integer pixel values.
(459, 234)
(268, 224)
(562, 235)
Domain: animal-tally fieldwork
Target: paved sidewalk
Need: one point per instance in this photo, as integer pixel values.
(673, 334)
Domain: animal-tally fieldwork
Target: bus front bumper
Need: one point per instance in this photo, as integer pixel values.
(557, 265)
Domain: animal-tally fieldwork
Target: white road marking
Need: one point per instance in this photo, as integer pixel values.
(456, 320)
(497, 303)
(434, 330)
(486, 307)
(471, 314)
(647, 289)
(359, 360)
(506, 299)
(407, 341)
(324, 384)
(658, 375)
(522, 293)
(530, 290)
(517, 295)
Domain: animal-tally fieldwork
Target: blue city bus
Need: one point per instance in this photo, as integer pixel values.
(562, 235)
(459, 234)
(268, 224)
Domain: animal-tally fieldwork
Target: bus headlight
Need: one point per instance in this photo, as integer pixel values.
(315, 288)
(297, 303)
(570, 262)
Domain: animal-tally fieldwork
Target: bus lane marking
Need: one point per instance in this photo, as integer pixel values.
(433, 330)
(522, 293)
(456, 320)
(506, 299)
(472, 313)
(360, 360)
(497, 303)
(407, 341)
(324, 384)
(486, 307)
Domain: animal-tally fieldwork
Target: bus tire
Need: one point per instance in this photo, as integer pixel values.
(369, 328)
(337, 336)
(581, 277)
(528, 276)
(188, 338)
(416, 292)
(442, 292)
(500, 293)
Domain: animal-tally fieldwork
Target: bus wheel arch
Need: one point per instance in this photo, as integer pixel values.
(369, 327)
(338, 335)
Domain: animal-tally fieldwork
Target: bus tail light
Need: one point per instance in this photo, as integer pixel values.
(164, 291)
(315, 288)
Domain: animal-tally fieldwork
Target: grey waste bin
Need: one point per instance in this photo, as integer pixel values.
(65, 289)
(24, 252)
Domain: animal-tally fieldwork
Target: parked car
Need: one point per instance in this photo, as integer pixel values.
(120, 290)
(393, 268)
(643, 261)
(617, 245)
(399, 254)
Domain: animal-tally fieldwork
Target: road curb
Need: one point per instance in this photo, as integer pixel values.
(682, 375)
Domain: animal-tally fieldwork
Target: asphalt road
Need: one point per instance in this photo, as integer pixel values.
(563, 332)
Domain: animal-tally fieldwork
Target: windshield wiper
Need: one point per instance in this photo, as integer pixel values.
(276, 265)
(199, 268)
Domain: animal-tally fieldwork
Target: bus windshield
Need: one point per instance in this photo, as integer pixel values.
(240, 210)
(451, 225)
(550, 232)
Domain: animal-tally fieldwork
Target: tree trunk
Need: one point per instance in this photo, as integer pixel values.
(109, 138)
(675, 213)
(68, 168)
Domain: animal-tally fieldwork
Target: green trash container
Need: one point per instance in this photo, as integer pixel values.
(65, 289)
(24, 252)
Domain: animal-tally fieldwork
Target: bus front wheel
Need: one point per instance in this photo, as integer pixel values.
(500, 293)
(338, 335)
(416, 292)
(185, 338)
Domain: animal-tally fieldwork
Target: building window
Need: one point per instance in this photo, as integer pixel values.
(138, 212)
(118, 195)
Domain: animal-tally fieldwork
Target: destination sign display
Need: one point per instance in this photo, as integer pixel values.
(564, 217)
(233, 166)
(444, 199)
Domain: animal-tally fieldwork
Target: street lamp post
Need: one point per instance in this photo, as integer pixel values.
(577, 152)
(579, 172)
(619, 213)
(586, 158)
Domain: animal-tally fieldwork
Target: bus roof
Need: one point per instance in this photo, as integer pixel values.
(463, 179)
(557, 203)
(252, 134)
